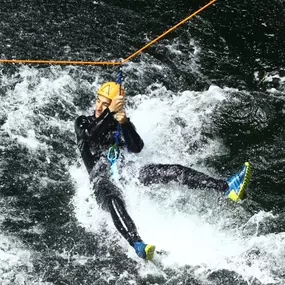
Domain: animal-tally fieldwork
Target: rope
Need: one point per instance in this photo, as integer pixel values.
(109, 62)
(120, 79)
(114, 151)
(117, 135)
(168, 31)
(60, 61)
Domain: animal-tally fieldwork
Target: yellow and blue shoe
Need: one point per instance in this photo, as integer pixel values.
(238, 182)
(145, 251)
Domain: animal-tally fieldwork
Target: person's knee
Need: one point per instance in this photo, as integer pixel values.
(148, 173)
(116, 201)
(105, 191)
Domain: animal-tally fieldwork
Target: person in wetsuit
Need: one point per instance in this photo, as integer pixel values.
(96, 133)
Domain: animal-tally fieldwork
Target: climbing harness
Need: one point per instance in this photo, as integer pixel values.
(114, 152)
(112, 156)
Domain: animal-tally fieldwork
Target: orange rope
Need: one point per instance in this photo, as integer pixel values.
(58, 61)
(108, 62)
(168, 31)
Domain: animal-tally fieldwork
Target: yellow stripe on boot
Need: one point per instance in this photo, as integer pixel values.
(149, 251)
(233, 194)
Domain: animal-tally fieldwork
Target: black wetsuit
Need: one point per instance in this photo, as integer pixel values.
(164, 173)
(95, 136)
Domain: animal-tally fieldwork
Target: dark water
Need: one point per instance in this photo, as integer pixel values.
(238, 46)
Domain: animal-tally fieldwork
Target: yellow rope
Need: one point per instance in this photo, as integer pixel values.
(108, 62)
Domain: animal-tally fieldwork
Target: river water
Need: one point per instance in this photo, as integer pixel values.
(209, 95)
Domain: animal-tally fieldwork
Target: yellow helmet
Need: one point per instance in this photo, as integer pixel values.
(110, 90)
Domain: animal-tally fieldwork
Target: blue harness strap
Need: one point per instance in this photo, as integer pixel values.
(120, 78)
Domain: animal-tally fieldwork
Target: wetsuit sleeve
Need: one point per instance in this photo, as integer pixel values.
(94, 130)
(132, 138)
(81, 125)
(86, 132)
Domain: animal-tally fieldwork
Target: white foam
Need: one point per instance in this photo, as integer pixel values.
(14, 256)
(188, 236)
(170, 124)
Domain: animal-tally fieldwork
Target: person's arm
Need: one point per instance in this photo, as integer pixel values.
(81, 124)
(86, 132)
(95, 129)
(132, 138)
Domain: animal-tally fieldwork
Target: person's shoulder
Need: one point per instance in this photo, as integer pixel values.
(128, 124)
(82, 119)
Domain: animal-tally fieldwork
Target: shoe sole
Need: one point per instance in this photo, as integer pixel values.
(247, 176)
(149, 251)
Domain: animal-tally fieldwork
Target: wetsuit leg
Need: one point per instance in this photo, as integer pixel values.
(164, 173)
(109, 197)
(122, 221)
